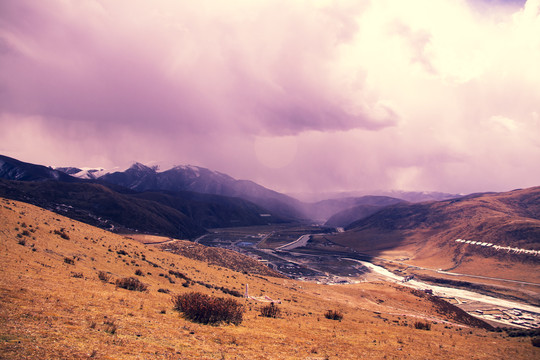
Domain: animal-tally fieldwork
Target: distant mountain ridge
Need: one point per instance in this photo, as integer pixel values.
(14, 169)
(428, 231)
(172, 213)
(364, 207)
(140, 177)
(326, 209)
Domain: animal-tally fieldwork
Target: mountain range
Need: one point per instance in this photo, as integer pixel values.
(185, 200)
(181, 214)
(192, 179)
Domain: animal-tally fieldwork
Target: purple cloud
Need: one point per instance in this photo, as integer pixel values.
(293, 94)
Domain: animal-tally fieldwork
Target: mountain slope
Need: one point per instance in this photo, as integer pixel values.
(211, 211)
(181, 215)
(427, 231)
(86, 173)
(13, 169)
(345, 211)
(100, 206)
(58, 300)
(192, 178)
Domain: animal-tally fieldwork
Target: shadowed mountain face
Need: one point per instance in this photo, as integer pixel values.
(179, 214)
(100, 206)
(191, 178)
(12, 169)
(183, 215)
(357, 209)
(429, 230)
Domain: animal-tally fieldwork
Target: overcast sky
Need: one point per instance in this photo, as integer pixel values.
(296, 95)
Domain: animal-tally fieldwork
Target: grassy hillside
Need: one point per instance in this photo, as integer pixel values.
(181, 215)
(426, 234)
(211, 255)
(58, 300)
(98, 205)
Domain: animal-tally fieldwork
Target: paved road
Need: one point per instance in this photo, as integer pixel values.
(301, 241)
(160, 242)
(199, 238)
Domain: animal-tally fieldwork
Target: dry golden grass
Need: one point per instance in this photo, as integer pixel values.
(51, 309)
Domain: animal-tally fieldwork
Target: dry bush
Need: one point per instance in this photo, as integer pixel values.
(207, 309)
(138, 272)
(422, 325)
(103, 276)
(270, 310)
(334, 315)
(62, 233)
(110, 327)
(69, 261)
(131, 283)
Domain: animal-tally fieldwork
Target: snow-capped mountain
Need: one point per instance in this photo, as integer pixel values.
(140, 177)
(83, 173)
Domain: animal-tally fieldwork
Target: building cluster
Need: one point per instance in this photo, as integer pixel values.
(499, 247)
(515, 317)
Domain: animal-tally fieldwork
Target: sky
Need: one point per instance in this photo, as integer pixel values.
(299, 96)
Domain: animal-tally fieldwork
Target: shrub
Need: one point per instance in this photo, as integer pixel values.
(131, 283)
(207, 309)
(165, 291)
(69, 261)
(270, 310)
(103, 276)
(62, 234)
(139, 272)
(77, 275)
(422, 325)
(22, 242)
(334, 315)
(178, 274)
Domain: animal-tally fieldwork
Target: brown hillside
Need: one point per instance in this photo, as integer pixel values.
(220, 257)
(426, 233)
(212, 255)
(58, 300)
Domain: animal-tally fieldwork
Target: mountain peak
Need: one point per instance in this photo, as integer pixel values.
(137, 166)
